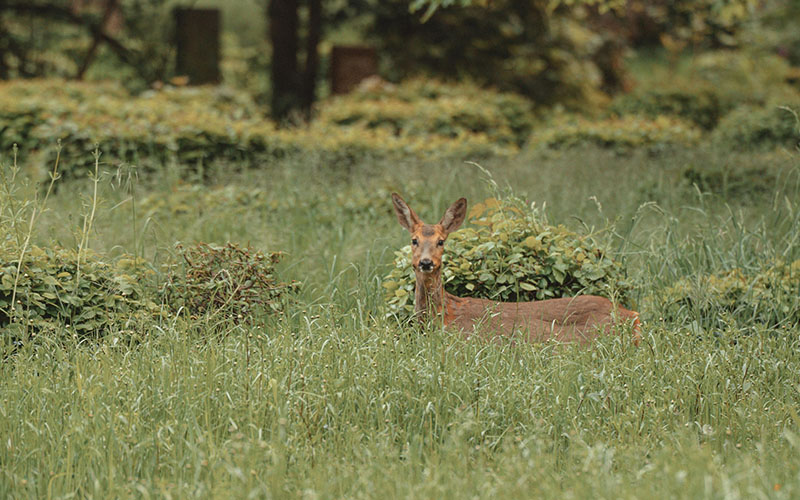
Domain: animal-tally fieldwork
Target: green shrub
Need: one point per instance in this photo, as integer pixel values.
(774, 30)
(228, 280)
(702, 107)
(510, 254)
(203, 125)
(734, 77)
(760, 127)
(620, 134)
(52, 294)
(769, 295)
(551, 54)
(425, 107)
(731, 181)
(741, 76)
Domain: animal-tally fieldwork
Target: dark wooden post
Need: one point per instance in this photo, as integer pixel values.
(198, 48)
(350, 65)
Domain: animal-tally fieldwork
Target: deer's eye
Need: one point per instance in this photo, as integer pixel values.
(415, 242)
(440, 243)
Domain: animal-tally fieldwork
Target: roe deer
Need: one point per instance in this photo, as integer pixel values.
(577, 319)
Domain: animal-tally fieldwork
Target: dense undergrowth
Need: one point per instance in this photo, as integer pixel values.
(331, 398)
(733, 99)
(196, 127)
(207, 370)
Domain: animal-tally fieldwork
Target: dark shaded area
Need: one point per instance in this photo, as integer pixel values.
(197, 33)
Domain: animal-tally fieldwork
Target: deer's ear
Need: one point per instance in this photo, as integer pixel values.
(405, 216)
(454, 215)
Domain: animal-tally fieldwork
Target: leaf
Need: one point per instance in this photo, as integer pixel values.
(532, 242)
(476, 211)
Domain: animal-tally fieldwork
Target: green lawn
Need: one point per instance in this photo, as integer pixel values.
(334, 400)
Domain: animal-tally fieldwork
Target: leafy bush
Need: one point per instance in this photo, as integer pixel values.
(205, 125)
(741, 76)
(713, 82)
(228, 280)
(424, 107)
(770, 295)
(775, 30)
(731, 181)
(510, 254)
(676, 23)
(56, 289)
(622, 133)
(760, 127)
(548, 53)
(702, 107)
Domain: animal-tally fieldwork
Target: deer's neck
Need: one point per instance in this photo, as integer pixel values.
(429, 295)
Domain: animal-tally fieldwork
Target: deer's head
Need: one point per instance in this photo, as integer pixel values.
(427, 240)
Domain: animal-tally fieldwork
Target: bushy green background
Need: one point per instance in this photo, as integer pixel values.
(59, 293)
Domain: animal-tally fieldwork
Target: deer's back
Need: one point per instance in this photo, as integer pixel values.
(575, 319)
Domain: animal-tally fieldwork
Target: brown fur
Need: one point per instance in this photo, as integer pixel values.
(578, 319)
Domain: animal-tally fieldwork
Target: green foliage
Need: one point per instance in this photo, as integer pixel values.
(715, 81)
(705, 88)
(59, 290)
(621, 134)
(206, 125)
(740, 76)
(743, 183)
(333, 400)
(424, 107)
(227, 280)
(676, 23)
(702, 106)
(551, 54)
(52, 39)
(769, 296)
(431, 6)
(774, 30)
(511, 254)
(760, 127)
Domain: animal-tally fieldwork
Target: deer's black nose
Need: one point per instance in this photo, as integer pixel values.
(426, 264)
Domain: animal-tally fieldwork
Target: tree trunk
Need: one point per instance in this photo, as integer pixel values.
(283, 32)
(312, 56)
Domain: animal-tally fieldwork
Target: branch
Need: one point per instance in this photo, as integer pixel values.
(95, 28)
(110, 8)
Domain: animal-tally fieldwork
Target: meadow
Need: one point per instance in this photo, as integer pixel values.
(333, 399)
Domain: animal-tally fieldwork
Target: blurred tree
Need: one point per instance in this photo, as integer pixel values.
(554, 51)
(553, 55)
(678, 23)
(62, 38)
(431, 6)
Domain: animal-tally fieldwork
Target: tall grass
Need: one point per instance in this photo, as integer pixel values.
(333, 400)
